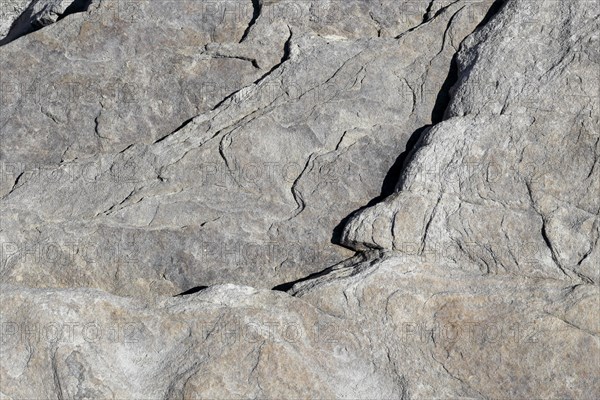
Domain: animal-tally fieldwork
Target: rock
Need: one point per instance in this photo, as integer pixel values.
(24, 17)
(227, 341)
(510, 178)
(214, 202)
(387, 327)
(10, 10)
(447, 333)
(316, 199)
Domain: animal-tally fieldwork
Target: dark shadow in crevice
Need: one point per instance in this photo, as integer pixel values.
(347, 264)
(24, 25)
(390, 182)
(444, 96)
(180, 127)
(393, 179)
(76, 7)
(493, 10)
(192, 291)
(427, 11)
(284, 287)
(256, 10)
(439, 112)
(336, 236)
(287, 53)
(20, 27)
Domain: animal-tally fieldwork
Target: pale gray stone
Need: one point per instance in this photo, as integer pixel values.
(178, 177)
(246, 192)
(379, 327)
(10, 10)
(510, 179)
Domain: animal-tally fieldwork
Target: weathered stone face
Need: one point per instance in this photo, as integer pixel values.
(510, 178)
(9, 12)
(354, 199)
(20, 17)
(244, 193)
(383, 327)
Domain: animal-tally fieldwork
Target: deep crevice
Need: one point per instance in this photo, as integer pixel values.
(427, 11)
(287, 286)
(183, 125)
(193, 290)
(257, 8)
(444, 96)
(493, 10)
(438, 114)
(441, 10)
(370, 257)
(287, 53)
(338, 231)
(391, 181)
(284, 287)
(75, 7)
(394, 177)
(25, 24)
(20, 27)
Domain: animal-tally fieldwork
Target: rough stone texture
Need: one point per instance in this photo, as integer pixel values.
(215, 201)
(22, 17)
(175, 145)
(10, 10)
(378, 328)
(46, 12)
(510, 179)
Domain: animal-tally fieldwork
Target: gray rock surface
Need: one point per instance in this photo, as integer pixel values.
(510, 178)
(20, 17)
(380, 327)
(416, 180)
(10, 10)
(213, 202)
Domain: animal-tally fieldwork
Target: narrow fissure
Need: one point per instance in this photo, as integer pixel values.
(193, 290)
(286, 56)
(393, 180)
(257, 8)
